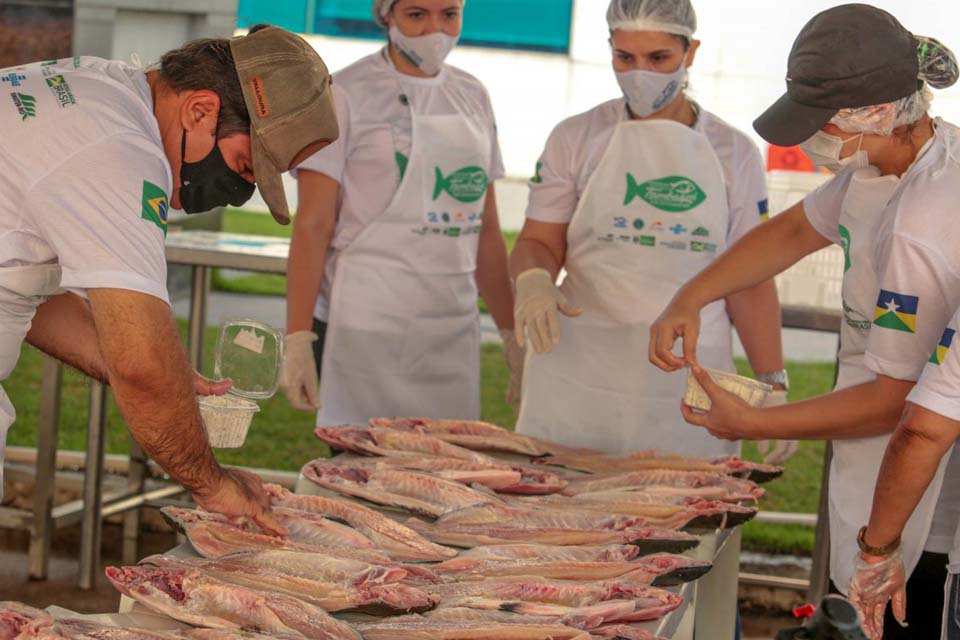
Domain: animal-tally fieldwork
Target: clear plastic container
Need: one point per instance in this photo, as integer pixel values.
(751, 391)
(250, 354)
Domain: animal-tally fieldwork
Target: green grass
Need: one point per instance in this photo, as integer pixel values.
(269, 284)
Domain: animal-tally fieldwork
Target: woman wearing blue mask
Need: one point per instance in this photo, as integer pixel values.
(397, 232)
(857, 102)
(631, 199)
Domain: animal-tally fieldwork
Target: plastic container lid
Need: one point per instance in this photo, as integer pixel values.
(249, 353)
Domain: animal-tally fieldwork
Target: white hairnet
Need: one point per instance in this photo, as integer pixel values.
(938, 68)
(382, 8)
(669, 16)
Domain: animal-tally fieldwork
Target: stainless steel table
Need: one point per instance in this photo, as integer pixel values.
(202, 251)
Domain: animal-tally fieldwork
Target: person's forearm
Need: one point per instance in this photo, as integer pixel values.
(909, 465)
(153, 385)
(532, 254)
(493, 275)
(755, 313)
(63, 328)
(306, 264)
(861, 411)
(766, 251)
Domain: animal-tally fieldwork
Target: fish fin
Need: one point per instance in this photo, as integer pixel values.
(633, 189)
(440, 184)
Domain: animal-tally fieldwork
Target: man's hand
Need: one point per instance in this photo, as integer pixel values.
(777, 451)
(538, 299)
(207, 387)
(679, 320)
(514, 354)
(729, 417)
(239, 494)
(298, 374)
(878, 580)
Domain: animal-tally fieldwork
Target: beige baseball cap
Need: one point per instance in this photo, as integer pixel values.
(286, 87)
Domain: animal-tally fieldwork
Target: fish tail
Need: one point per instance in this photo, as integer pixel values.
(441, 184)
(633, 189)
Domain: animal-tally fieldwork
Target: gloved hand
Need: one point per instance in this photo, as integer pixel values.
(514, 354)
(777, 451)
(535, 309)
(875, 582)
(298, 374)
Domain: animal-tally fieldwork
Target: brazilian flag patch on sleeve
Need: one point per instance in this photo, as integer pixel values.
(896, 311)
(154, 206)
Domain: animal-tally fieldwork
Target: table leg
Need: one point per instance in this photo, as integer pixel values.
(92, 524)
(46, 470)
(820, 569)
(716, 615)
(199, 289)
(136, 478)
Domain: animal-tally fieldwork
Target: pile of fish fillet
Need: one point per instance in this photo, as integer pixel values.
(439, 529)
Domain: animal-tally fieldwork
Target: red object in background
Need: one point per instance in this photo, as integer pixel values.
(804, 612)
(788, 159)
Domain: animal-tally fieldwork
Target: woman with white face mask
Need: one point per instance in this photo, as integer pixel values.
(396, 234)
(857, 102)
(631, 199)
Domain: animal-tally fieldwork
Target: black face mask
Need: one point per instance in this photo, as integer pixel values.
(210, 182)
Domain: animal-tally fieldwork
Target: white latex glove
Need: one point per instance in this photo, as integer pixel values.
(777, 451)
(514, 354)
(535, 310)
(876, 582)
(298, 374)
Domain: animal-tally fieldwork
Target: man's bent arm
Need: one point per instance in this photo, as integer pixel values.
(63, 328)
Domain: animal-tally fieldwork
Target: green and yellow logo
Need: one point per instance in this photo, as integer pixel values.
(674, 194)
(155, 205)
(648, 241)
(940, 353)
(537, 178)
(61, 91)
(468, 184)
(26, 105)
(845, 243)
(896, 311)
(701, 232)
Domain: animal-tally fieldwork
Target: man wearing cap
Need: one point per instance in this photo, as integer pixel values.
(94, 153)
(857, 102)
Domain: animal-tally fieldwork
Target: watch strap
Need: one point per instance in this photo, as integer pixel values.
(885, 550)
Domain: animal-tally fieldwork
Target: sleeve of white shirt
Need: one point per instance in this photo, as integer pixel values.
(822, 206)
(553, 188)
(332, 159)
(747, 199)
(939, 386)
(911, 309)
(103, 211)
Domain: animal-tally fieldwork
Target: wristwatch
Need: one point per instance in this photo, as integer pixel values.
(885, 550)
(776, 377)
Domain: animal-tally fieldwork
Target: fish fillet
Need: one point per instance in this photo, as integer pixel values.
(379, 441)
(191, 597)
(643, 460)
(600, 553)
(734, 489)
(415, 627)
(418, 493)
(402, 543)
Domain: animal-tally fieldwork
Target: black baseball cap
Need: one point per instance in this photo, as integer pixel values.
(849, 56)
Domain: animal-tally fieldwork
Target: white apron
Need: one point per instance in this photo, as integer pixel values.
(654, 213)
(22, 290)
(403, 335)
(856, 463)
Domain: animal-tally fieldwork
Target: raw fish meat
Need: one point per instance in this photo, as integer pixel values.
(602, 553)
(379, 441)
(415, 627)
(402, 543)
(191, 597)
(643, 460)
(734, 489)
(418, 493)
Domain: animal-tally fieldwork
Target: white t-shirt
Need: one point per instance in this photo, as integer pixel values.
(84, 180)
(918, 271)
(374, 103)
(577, 145)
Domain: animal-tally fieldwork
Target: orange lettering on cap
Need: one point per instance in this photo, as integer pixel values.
(259, 97)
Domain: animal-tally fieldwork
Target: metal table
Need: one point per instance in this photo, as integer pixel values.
(202, 251)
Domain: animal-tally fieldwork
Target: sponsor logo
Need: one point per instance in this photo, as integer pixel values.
(638, 224)
(468, 184)
(646, 241)
(26, 105)
(402, 162)
(657, 227)
(674, 244)
(677, 229)
(537, 178)
(665, 95)
(673, 193)
(845, 243)
(764, 208)
(940, 353)
(701, 232)
(896, 311)
(15, 79)
(260, 102)
(49, 63)
(61, 91)
(702, 247)
(855, 319)
(154, 206)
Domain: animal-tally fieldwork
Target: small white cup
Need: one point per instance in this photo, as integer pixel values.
(751, 391)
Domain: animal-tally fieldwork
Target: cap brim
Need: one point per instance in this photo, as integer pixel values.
(270, 182)
(787, 123)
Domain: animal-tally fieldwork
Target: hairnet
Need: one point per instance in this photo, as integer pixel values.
(669, 16)
(381, 9)
(938, 68)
